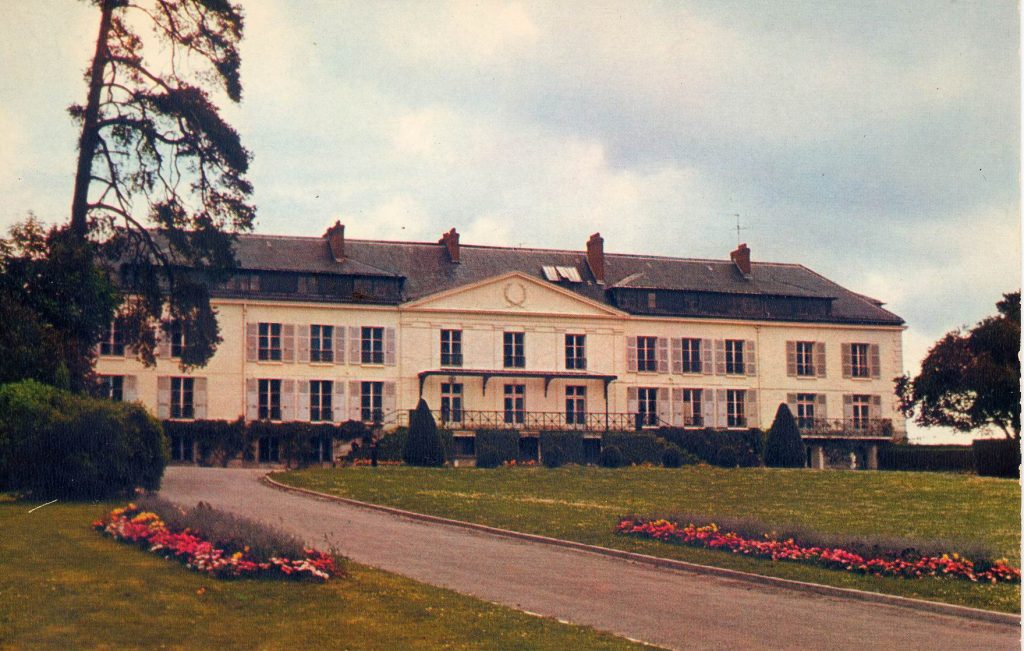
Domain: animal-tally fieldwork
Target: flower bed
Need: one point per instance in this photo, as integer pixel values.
(902, 564)
(131, 524)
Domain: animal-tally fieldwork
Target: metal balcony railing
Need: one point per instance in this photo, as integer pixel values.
(874, 428)
(537, 420)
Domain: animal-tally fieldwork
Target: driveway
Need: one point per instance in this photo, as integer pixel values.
(664, 607)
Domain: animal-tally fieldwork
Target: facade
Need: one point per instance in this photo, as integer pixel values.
(324, 329)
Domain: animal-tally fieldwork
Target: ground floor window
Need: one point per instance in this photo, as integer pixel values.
(451, 402)
(735, 400)
(269, 449)
(181, 448)
(576, 405)
(269, 400)
(321, 449)
(515, 403)
(647, 405)
(693, 401)
(320, 401)
(372, 402)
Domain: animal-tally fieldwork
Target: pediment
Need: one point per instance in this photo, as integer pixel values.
(515, 293)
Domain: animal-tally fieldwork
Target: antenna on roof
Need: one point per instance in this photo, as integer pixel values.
(739, 237)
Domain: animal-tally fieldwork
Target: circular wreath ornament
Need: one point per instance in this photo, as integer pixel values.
(515, 294)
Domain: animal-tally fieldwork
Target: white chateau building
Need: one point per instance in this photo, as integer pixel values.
(329, 329)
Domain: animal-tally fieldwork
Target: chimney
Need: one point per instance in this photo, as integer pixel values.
(336, 238)
(741, 256)
(595, 257)
(451, 242)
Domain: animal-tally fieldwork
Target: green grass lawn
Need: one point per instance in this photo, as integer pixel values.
(62, 585)
(583, 504)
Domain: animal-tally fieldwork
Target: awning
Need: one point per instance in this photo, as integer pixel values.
(547, 376)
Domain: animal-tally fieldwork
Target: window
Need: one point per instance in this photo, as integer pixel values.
(112, 340)
(859, 365)
(647, 354)
(647, 403)
(514, 350)
(734, 357)
(515, 402)
(269, 448)
(320, 401)
(576, 352)
(270, 399)
(451, 348)
(576, 405)
(321, 343)
(373, 346)
(805, 358)
(321, 449)
(181, 397)
(270, 342)
(181, 448)
(691, 356)
(734, 403)
(176, 335)
(805, 410)
(371, 400)
(693, 414)
(861, 411)
(112, 387)
(451, 402)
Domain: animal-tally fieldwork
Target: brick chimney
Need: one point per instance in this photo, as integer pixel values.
(451, 242)
(595, 256)
(741, 256)
(335, 236)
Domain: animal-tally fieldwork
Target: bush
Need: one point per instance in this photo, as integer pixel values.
(554, 458)
(490, 458)
(59, 445)
(784, 447)
(937, 458)
(997, 457)
(676, 457)
(611, 457)
(502, 442)
(423, 446)
(567, 446)
(217, 441)
(636, 447)
(745, 446)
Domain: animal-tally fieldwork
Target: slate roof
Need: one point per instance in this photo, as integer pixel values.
(426, 270)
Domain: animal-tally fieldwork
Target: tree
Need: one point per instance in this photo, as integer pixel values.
(160, 181)
(784, 448)
(970, 379)
(423, 444)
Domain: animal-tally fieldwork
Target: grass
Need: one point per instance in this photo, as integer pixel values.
(62, 585)
(583, 504)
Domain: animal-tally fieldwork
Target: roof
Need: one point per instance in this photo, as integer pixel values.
(427, 270)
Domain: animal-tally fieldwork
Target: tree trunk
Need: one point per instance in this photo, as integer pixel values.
(89, 138)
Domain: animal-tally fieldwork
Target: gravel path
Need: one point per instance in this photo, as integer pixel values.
(664, 607)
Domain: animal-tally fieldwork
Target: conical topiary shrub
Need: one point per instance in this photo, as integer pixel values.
(423, 445)
(784, 448)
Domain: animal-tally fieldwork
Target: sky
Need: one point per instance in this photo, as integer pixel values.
(877, 143)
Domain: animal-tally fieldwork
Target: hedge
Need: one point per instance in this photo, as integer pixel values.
(217, 441)
(390, 446)
(636, 447)
(568, 444)
(727, 448)
(935, 458)
(997, 457)
(503, 443)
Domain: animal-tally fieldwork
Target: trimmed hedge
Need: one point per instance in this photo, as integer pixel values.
(567, 445)
(611, 457)
(997, 457)
(500, 443)
(783, 447)
(56, 444)
(390, 446)
(423, 446)
(727, 448)
(636, 447)
(934, 458)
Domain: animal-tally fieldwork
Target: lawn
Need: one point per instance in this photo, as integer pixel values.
(582, 504)
(62, 585)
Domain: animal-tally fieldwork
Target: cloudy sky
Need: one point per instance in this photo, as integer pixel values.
(876, 142)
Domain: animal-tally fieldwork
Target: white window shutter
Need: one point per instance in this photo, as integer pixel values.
(338, 403)
(662, 355)
(287, 400)
(677, 407)
(847, 409)
(199, 398)
(163, 397)
(721, 409)
(821, 406)
(390, 346)
(355, 395)
(339, 346)
(663, 406)
(750, 357)
(847, 361)
(632, 400)
(302, 342)
(791, 358)
(677, 355)
(288, 342)
(707, 356)
(387, 402)
(302, 405)
(252, 399)
(708, 407)
(751, 409)
(130, 389)
(252, 342)
(719, 356)
(876, 407)
(354, 356)
(876, 361)
(631, 354)
(163, 345)
(820, 367)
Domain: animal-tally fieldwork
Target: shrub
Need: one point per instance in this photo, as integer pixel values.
(490, 458)
(423, 446)
(554, 458)
(938, 458)
(745, 446)
(676, 457)
(726, 457)
(217, 441)
(611, 457)
(636, 447)
(55, 444)
(567, 446)
(784, 447)
(503, 442)
(997, 457)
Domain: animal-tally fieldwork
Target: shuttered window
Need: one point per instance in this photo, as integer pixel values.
(372, 345)
(182, 391)
(647, 405)
(691, 356)
(734, 362)
(321, 343)
(692, 407)
(647, 354)
(860, 365)
(270, 342)
(371, 401)
(735, 404)
(269, 400)
(321, 407)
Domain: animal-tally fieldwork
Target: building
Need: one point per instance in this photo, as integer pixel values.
(333, 329)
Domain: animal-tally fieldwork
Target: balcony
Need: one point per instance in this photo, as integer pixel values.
(536, 421)
(850, 428)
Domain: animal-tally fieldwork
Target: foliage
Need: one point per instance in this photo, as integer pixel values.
(423, 446)
(611, 457)
(55, 444)
(636, 447)
(502, 444)
(935, 458)
(152, 139)
(676, 457)
(566, 446)
(489, 458)
(727, 448)
(217, 441)
(970, 380)
(784, 447)
(996, 457)
(554, 458)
